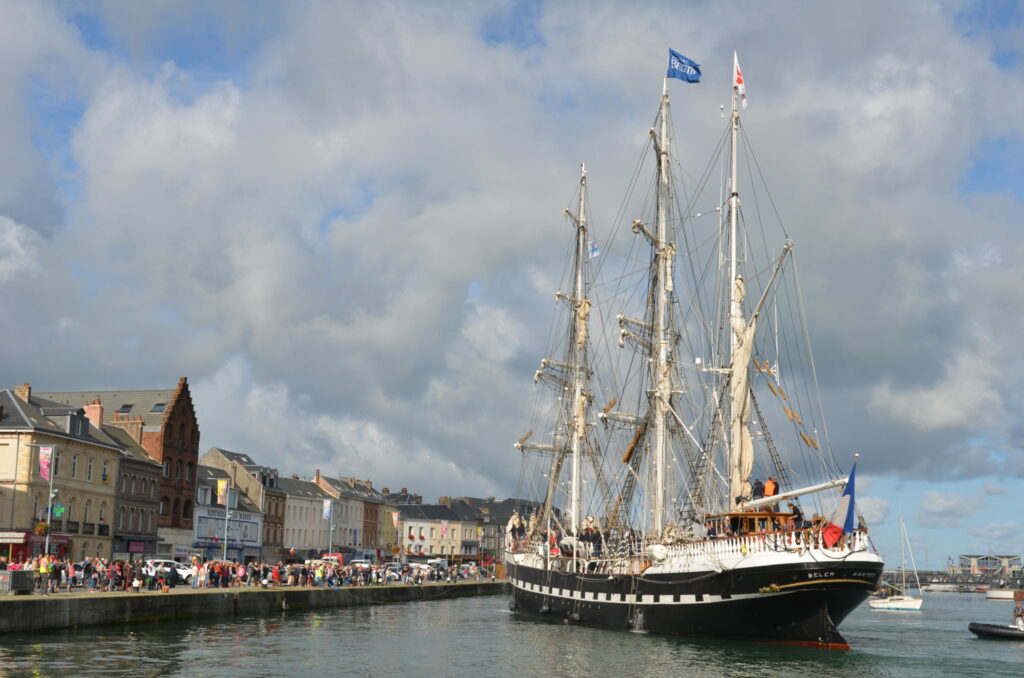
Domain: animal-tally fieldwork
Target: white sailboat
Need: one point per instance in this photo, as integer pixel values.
(901, 600)
(642, 510)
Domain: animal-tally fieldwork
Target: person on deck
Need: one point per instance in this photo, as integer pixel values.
(771, 488)
(797, 521)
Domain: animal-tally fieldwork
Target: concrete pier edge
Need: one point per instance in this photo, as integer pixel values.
(20, 614)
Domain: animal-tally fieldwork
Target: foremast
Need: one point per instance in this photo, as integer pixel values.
(571, 376)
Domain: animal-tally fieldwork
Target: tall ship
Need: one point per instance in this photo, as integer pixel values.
(678, 464)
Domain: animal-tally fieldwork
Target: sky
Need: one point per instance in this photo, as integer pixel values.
(339, 221)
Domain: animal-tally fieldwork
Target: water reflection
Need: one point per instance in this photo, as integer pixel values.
(479, 636)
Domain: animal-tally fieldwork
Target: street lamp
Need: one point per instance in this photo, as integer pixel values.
(227, 518)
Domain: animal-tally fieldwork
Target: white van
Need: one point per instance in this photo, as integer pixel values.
(361, 564)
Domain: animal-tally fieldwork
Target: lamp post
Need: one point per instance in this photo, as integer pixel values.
(227, 518)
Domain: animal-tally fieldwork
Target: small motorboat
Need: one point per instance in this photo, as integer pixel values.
(996, 631)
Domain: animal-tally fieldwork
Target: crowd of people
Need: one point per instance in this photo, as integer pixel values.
(53, 574)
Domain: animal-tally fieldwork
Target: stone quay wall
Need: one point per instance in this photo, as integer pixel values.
(19, 614)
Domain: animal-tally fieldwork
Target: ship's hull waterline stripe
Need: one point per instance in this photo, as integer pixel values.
(629, 598)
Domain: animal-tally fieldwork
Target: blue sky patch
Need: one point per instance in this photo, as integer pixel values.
(514, 25)
(997, 167)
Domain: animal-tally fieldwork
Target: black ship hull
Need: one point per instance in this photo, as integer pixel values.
(795, 603)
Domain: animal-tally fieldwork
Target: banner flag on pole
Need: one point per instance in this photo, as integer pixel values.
(222, 492)
(680, 67)
(737, 80)
(327, 509)
(841, 521)
(45, 455)
(394, 518)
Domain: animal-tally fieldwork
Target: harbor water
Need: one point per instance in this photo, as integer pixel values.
(479, 636)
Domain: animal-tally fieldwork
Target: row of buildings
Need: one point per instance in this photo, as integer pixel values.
(126, 479)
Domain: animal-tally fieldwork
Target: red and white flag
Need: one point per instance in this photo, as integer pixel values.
(737, 80)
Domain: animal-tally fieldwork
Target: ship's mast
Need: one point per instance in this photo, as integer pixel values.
(741, 335)
(660, 363)
(581, 306)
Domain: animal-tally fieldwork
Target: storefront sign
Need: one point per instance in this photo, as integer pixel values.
(12, 537)
(136, 547)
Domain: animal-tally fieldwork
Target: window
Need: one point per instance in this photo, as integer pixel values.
(186, 510)
(120, 518)
(88, 468)
(126, 408)
(204, 495)
(35, 507)
(56, 464)
(85, 511)
(105, 478)
(124, 484)
(177, 469)
(103, 511)
(189, 471)
(159, 407)
(167, 468)
(71, 510)
(134, 485)
(74, 466)
(163, 506)
(152, 488)
(177, 507)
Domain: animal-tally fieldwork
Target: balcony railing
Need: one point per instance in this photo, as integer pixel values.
(72, 526)
(104, 531)
(88, 528)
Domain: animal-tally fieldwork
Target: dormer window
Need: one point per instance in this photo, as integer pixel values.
(126, 408)
(159, 407)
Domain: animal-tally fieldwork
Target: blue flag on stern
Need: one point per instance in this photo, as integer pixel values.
(682, 68)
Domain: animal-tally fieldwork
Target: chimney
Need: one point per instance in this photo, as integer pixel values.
(447, 501)
(317, 480)
(405, 491)
(94, 412)
(133, 425)
(24, 391)
(295, 476)
(383, 490)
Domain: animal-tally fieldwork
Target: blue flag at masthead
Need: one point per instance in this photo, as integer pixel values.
(682, 68)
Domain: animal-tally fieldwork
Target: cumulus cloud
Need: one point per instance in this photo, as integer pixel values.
(998, 531)
(991, 488)
(294, 222)
(18, 248)
(874, 509)
(947, 508)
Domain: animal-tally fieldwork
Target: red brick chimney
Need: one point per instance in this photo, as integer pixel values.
(94, 412)
(24, 391)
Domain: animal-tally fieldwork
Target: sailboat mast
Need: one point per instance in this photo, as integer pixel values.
(660, 364)
(735, 311)
(582, 307)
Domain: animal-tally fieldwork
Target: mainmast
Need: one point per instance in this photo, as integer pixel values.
(660, 371)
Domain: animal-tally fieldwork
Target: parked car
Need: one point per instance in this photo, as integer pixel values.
(156, 567)
(361, 564)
